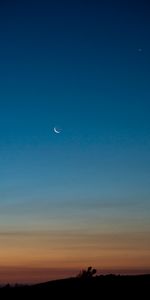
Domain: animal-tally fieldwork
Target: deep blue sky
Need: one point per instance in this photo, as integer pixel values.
(75, 65)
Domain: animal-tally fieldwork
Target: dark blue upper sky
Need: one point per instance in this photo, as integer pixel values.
(76, 65)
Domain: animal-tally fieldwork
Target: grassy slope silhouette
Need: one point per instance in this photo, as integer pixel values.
(86, 285)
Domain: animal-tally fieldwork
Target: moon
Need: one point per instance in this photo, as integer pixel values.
(56, 130)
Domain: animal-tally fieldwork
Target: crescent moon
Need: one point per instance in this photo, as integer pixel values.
(56, 131)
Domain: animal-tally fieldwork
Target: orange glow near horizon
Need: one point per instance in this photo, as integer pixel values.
(39, 256)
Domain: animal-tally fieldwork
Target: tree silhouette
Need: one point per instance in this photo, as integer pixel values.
(85, 274)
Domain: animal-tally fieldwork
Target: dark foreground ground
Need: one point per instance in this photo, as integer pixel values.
(99, 287)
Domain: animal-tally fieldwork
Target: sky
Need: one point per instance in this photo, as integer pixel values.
(80, 197)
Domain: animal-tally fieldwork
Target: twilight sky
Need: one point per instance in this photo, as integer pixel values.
(81, 197)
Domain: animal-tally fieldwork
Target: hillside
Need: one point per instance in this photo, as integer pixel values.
(96, 287)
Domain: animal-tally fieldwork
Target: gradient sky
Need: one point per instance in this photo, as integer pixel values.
(81, 197)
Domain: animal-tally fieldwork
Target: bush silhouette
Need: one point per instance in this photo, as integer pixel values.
(85, 274)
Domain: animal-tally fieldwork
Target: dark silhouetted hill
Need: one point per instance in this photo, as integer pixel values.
(98, 287)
